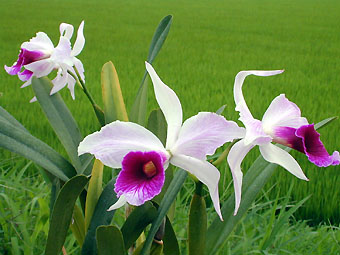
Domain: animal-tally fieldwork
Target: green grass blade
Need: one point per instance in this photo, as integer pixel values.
(137, 222)
(60, 118)
(100, 217)
(62, 213)
(282, 220)
(110, 241)
(254, 180)
(168, 199)
(114, 107)
(21, 142)
(139, 107)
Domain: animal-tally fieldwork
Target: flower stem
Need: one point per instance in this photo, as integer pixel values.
(98, 111)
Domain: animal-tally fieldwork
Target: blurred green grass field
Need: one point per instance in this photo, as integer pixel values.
(209, 42)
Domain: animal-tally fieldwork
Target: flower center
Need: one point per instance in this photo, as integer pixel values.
(149, 169)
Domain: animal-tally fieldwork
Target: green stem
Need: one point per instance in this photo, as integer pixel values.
(98, 111)
(224, 154)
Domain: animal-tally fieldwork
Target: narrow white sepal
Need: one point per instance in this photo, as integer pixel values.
(120, 202)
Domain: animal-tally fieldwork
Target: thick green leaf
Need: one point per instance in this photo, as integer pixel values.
(197, 225)
(78, 225)
(137, 222)
(110, 241)
(169, 197)
(157, 124)
(254, 180)
(17, 140)
(170, 242)
(139, 107)
(62, 213)
(4, 115)
(100, 217)
(61, 120)
(159, 37)
(94, 190)
(114, 107)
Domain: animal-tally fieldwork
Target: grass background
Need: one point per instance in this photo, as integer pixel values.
(209, 42)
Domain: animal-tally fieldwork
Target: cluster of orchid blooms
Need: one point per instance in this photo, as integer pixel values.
(142, 156)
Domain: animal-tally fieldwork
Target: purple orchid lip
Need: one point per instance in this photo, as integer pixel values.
(25, 57)
(142, 176)
(306, 140)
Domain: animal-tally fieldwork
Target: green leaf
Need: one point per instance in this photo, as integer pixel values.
(94, 190)
(100, 217)
(136, 223)
(159, 37)
(157, 124)
(62, 213)
(169, 197)
(61, 120)
(254, 180)
(4, 115)
(325, 122)
(139, 107)
(197, 225)
(114, 107)
(78, 225)
(16, 140)
(110, 241)
(170, 242)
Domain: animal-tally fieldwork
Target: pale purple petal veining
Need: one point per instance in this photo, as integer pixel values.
(115, 140)
(203, 133)
(133, 183)
(282, 113)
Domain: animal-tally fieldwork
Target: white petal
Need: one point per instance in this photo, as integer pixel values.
(59, 81)
(284, 113)
(115, 140)
(169, 104)
(205, 172)
(235, 158)
(80, 68)
(241, 105)
(80, 41)
(41, 42)
(203, 133)
(276, 155)
(67, 29)
(34, 99)
(120, 202)
(41, 68)
(70, 85)
(27, 83)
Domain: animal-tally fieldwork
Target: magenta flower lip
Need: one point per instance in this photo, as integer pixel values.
(142, 176)
(306, 140)
(25, 57)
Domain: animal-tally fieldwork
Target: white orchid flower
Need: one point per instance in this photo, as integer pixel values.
(282, 123)
(39, 57)
(143, 158)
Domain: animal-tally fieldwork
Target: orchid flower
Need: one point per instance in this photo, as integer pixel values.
(38, 57)
(143, 158)
(282, 123)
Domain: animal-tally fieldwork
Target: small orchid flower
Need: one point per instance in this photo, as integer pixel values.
(39, 57)
(143, 158)
(282, 123)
